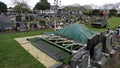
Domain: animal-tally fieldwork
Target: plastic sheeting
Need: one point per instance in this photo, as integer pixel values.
(77, 32)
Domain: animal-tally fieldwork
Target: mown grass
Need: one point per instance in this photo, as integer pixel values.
(12, 55)
(114, 22)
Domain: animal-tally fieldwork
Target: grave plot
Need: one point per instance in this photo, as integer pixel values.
(21, 26)
(62, 50)
(42, 24)
(35, 52)
(52, 51)
(99, 21)
(33, 26)
(77, 46)
(6, 25)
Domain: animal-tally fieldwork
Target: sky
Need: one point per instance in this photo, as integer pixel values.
(32, 3)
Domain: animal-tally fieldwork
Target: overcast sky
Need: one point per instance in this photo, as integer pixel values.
(32, 3)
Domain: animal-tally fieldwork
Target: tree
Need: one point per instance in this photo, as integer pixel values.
(112, 12)
(20, 5)
(10, 8)
(87, 7)
(3, 7)
(117, 6)
(43, 1)
(42, 5)
(93, 6)
(87, 12)
(95, 12)
(108, 6)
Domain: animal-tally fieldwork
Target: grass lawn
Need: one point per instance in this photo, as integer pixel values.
(114, 22)
(12, 55)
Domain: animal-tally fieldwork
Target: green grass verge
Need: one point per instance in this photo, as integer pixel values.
(12, 55)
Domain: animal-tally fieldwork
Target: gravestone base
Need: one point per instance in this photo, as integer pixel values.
(99, 62)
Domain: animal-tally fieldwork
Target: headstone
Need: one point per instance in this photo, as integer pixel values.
(80, 60)
(33, 25)
(117, 34)
(5, 23)
(23, 18)
(21, 26)
(42, 24)
(31, 18)
(18, 18)
(108, 42)
(91, 44)
(98, 51)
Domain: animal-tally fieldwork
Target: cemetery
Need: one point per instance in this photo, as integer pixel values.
(54, 36)
(71, 45)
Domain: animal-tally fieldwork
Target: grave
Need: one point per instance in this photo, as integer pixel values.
(33, 25)
(6, 24)
(21, 26)
(99, 21)
(42, 24)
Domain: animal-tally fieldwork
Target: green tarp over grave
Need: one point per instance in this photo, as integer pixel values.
(77, 32)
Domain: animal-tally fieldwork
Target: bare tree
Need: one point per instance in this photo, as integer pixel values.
(117, 6)
(93, 6)
(87, 7)
(108, 6)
